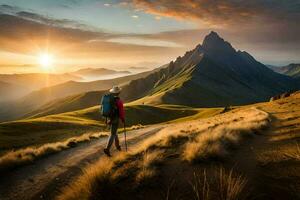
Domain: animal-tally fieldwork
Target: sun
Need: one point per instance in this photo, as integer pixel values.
(46, 61)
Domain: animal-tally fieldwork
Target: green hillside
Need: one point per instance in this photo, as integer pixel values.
(292, 70)
(50, 100)
(214, 74)
(67, 104)
(58, 127)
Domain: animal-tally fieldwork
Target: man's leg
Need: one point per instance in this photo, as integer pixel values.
(113, 134)
(110, 141)
(117, 143)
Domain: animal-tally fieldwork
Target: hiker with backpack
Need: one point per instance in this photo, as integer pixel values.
(113, 109)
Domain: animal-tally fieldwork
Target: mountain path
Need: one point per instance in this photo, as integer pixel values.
(46, 177)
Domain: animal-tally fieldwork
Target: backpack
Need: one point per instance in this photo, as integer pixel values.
(109, 106)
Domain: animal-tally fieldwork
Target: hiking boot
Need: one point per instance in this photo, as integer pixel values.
(119, 148)
(106, 151)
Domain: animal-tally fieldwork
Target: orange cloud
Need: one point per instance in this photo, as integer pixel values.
(222, 12)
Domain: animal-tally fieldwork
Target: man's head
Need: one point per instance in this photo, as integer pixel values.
(115, 90)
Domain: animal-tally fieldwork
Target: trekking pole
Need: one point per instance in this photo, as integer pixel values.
(125, 137)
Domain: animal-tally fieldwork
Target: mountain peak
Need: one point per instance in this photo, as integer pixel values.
(213, 34)
(212, 37)
(213, 42)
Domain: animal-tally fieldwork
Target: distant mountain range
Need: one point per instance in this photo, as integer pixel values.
(138, 69)
(59, 94)
(211, 75)
(292, 70)
(9, 91)
(91, 74)
(19, 85)
(35, 81)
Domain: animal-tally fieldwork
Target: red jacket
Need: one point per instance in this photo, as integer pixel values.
(121, 109)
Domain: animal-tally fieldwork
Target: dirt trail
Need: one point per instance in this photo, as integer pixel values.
(265, 180)
(44, 178)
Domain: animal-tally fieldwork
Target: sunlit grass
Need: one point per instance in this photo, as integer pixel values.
(142, 165)
(14, 159)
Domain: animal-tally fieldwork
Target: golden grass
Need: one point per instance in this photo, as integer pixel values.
(95, 175)
(216, 142)
(59, 127)
(212, 137)
(147, 165)
(201, 186)
(142, 162)
(151, 158)
(295, 154)
(280, 154)
(145, 174)
(101, 176)
(231, 186)
(223, 185)
(24, 156)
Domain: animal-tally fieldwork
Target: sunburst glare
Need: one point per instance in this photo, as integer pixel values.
(46, 61)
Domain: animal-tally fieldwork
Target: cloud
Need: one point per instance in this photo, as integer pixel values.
(107, 4)
(264, 27)
(7, 8)
(157, 17)
(46, 20)
(274, 19)
(30, 34)
(260, 27)
(135, 16)
(16, 11)
(222, 12)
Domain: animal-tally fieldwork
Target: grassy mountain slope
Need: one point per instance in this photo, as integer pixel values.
(213, 74)
(70, 103)
(241, 154)
(53, 128)
(292, 70)
(32, 102)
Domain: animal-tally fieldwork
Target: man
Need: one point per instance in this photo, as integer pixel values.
(118, 114)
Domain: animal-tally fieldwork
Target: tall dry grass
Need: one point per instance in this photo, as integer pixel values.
(20, 157)
(216, 142)
(294, 154)
(231, 186)
(280, 154)
(100, 179)
(223, 185)
(199, 138)
(96, 176)
(147, 167)
(223, 127)
(201, 186)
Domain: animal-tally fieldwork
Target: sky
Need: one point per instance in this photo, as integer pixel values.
(64, 35)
